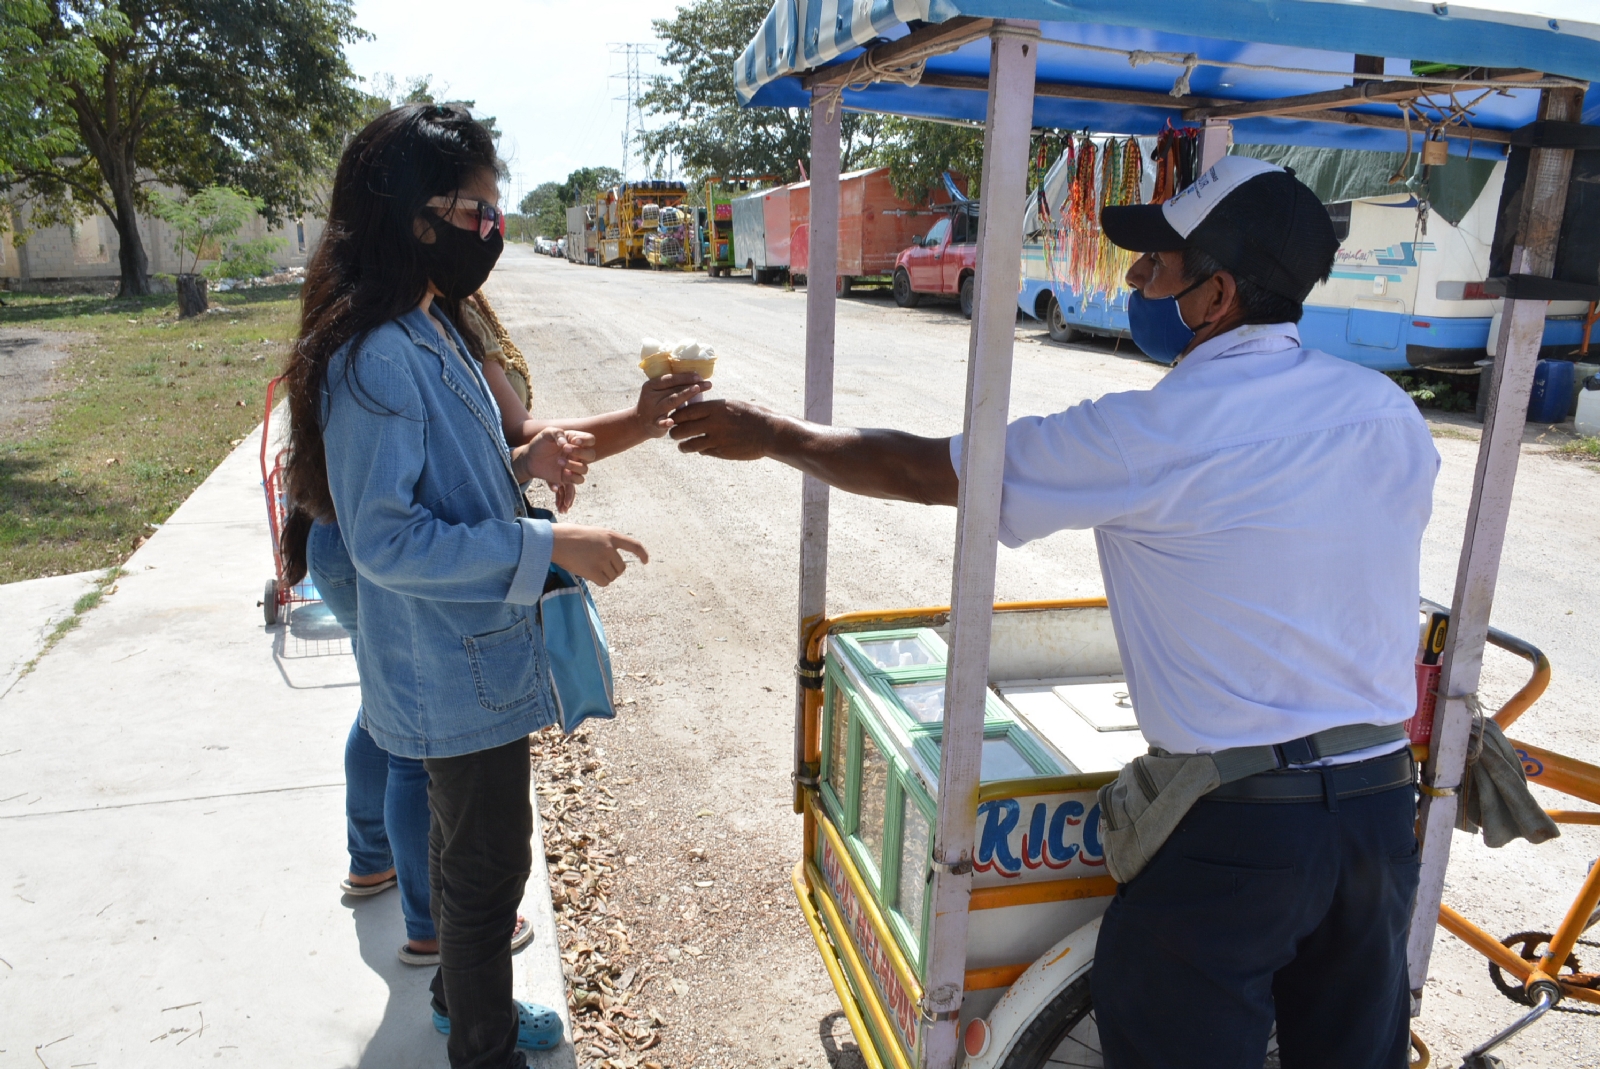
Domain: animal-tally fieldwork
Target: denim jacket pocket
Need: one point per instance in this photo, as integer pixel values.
(505, 666)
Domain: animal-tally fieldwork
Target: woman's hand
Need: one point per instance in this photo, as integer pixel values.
(660, 397)
(593, 552)
(558, 457)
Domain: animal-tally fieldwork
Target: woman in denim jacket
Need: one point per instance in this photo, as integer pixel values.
(386, 795)
(395, 431)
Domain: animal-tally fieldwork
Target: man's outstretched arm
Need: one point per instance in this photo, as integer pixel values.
(874, 463)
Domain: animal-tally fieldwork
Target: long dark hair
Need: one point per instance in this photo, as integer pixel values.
(368, 269)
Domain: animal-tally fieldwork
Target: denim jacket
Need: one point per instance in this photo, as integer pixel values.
(451, 656)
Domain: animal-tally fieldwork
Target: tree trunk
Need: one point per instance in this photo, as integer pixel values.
(191, 295)
(131, 258)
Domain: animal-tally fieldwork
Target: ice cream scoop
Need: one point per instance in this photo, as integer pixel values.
(702, 362)
(654, 359)
(687, 349)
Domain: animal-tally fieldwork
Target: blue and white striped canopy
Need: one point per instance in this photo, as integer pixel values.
(1095, 42)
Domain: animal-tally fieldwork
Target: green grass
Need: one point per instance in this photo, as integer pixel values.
(145, 406)
(1582, 449)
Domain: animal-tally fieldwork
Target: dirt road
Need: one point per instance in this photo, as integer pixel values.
(698, 763)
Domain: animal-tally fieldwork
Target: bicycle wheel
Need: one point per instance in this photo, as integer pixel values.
(1065, 1035)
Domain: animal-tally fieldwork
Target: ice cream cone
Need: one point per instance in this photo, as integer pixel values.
(702, 366)
(656, 365)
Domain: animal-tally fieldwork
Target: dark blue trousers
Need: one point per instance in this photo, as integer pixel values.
(1261, 911)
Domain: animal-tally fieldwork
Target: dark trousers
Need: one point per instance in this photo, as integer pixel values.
(1255, 911)
(479, 857)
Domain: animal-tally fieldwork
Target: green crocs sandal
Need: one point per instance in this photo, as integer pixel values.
(537, 1027)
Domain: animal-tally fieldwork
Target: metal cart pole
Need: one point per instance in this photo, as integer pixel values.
(1013, 58)
(820, 315)
(1521, 335)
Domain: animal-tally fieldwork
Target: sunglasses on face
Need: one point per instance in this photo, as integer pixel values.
(490, 218)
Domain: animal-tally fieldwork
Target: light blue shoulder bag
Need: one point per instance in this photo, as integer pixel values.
(575, 642)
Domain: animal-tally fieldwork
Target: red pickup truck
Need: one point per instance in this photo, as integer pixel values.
(940, 264)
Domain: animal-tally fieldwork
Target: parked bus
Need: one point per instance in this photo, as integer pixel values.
(1382, 306)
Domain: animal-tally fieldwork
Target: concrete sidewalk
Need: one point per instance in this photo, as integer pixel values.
(172, 829)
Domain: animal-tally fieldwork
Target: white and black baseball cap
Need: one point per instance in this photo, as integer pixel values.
(1256, 219)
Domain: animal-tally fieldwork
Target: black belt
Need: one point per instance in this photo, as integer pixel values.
(1372, 776)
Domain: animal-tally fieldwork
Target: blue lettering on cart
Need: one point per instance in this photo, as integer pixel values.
(1045, 842)
(994, 843)
(1067, 813)
(1092, 853)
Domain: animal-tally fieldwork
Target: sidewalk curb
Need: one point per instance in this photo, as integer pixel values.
(538, 976)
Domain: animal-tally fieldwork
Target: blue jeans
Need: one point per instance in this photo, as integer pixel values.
(386, 810)
(386, 797)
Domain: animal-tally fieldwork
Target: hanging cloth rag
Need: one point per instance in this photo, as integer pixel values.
(1494, 793)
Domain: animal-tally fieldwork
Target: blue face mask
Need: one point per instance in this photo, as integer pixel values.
(1157, 326)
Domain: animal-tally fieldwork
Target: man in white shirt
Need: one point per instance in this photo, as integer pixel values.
(1259, 517)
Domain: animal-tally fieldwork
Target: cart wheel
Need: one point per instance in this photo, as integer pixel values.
(269, 602)
(1055, 320)
(841, 286)
(904, 295)
(1065, 1033)
(967, 288)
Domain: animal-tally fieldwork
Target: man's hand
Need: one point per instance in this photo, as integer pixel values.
(728, 430)
(558, 457)
(660, 397)
(874, 463)
(593, 552)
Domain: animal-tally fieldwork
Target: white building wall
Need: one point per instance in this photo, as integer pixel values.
(88, 250)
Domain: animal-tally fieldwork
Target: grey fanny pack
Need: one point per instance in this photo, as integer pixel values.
(1142, 806)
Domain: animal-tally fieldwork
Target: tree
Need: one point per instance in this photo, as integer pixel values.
(249, 93)
(708, 131)
(547, 203)
(544, 206)
(204, 225)
(918, 152)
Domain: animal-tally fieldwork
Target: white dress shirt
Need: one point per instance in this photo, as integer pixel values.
(1259, 517)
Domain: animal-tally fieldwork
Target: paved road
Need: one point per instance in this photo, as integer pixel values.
(711, 617)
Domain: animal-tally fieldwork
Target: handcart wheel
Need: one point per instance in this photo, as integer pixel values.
(1529, 946)
(1064, 1031)
(269, 602)
(1065, 1034)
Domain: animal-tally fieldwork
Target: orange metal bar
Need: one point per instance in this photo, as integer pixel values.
(1484, 943)
(1530, 692)
(997, 976)
(933, 616)
(1532, 689)
(1560, 773)
(1573, 816)
(1566, 936)
(1501, 955)
(1031, 894)
(1037, 785)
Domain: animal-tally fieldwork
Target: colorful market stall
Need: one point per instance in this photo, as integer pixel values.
(945, 758)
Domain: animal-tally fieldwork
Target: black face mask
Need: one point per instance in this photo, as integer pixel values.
(458, 261)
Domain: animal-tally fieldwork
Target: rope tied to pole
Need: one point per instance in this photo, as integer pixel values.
(873, 70)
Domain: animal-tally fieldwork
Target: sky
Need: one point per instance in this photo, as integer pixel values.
(542, 68)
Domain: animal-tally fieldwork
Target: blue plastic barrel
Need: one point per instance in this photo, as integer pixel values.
(1552, 392)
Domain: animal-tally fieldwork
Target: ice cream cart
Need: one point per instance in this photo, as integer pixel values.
(946, 760)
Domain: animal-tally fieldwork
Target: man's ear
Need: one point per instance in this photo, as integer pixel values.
(1224, 300)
